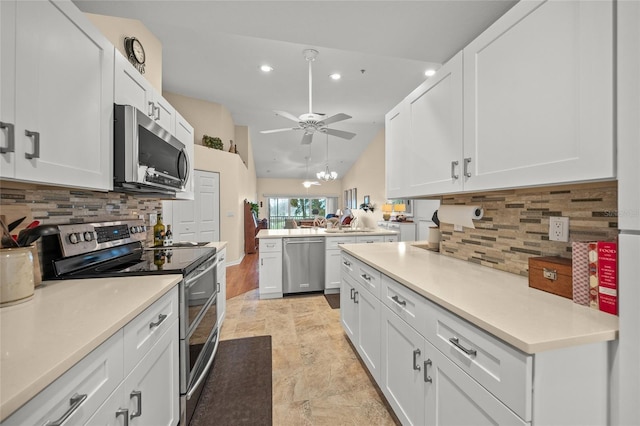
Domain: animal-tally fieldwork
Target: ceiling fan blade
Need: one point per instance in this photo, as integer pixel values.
(335, 118)
(281, 130)
(287, 115)
(339, 133)
(307, 138)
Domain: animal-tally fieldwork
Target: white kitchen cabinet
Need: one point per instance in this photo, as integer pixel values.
(270, 268)
(184, 133)
(368, 239)
(197, 219)
(360, 317)
(138, 357)
(538, 97)
(56, 110)
(221, 273)
(396, 168)
(406, 230)
(401, 368)
(132, 88)
(333, 261)
(148, 395)
(433, 150)
(391, 239)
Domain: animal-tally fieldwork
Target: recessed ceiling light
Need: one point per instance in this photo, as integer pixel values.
(266, 68)
(335, 76)
(429, 72)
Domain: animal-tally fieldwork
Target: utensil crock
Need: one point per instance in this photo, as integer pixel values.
(16, 276)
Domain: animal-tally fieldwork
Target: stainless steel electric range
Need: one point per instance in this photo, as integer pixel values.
(114, 249)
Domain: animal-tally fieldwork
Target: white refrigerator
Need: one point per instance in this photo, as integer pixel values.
(626, 357)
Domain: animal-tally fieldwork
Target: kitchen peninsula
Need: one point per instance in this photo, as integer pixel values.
(272, 256)
(479, 338)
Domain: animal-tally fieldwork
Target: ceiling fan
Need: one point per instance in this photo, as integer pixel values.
(313, 122)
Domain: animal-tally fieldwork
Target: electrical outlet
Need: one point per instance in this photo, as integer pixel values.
(153, 218)
(458, 228)
(559, 228)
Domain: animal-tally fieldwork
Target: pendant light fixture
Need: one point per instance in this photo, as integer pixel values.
(327, 175)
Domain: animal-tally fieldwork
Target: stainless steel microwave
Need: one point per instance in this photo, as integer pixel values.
(147, 158)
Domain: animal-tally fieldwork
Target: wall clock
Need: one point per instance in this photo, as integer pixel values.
(135, 53)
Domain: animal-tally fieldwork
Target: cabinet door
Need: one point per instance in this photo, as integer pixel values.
(333, 269)
(208, 202)
(451, 397)
(7, 87)
(131, 87)
(270, 274)
(368, 335)
(64, 97)
(152, 389)
(395, 128)
(165, 113)
(184, 133)
(348, 315)
(538, 96)
(401, 373)
(434, 151)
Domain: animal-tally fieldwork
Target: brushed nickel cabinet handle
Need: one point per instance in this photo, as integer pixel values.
(365, 277)
(352, 296)
(11, 139)
(416, 354)
(427, 378)
(466, 167)
(453, 170)
(161, 318)
(75, 401)
(36, 145)
(457, 344)
(157, 108)
(152, 108)
(124, 413)
(355, 297)
(138, 412)
(398, 301)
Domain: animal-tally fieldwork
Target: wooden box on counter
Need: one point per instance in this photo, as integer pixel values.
(551, 274)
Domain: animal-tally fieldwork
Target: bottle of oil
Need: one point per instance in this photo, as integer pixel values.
(158, 232)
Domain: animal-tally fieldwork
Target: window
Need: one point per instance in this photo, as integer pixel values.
(298, 209)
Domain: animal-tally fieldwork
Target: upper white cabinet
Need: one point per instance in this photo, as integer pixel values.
(132, 88)
(56, 80)
(184, 133)
(396, 126)
(538, 97)
(434, 142)
(528, 102)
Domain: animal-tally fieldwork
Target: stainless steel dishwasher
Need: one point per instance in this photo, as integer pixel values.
(303, 264)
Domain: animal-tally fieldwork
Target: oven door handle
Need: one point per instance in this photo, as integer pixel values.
(192, 279)
(205, 372)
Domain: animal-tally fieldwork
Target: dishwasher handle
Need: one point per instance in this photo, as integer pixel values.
(303, 242)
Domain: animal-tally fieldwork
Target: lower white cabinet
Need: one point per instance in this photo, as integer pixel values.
(149, 394)
(332, 261)
(221, 273)
(270, 268)
(436, 368)
(136, 376)
(360, 316)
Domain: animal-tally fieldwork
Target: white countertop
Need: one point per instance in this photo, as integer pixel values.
(499, 302)
(319, 232)
(44, 337)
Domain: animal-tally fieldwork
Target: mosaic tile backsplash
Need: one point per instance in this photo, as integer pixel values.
(57, 205)
(516, 222)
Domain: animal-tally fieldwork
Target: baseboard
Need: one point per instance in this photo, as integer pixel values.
(236, 262)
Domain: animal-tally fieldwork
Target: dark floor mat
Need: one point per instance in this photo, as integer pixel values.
(333, 300)
(238, 389)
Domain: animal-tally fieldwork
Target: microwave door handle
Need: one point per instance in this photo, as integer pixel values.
(192, 279)
(188, 168)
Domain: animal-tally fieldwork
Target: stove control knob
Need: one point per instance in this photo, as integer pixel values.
(73, 238)
(88, 236)
(133, 229)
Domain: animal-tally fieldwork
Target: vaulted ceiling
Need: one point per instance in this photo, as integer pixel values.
(212, 50)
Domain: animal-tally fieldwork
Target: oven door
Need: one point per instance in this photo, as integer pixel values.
(199, 290)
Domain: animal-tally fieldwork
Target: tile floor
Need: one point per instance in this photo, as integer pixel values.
(317, 378)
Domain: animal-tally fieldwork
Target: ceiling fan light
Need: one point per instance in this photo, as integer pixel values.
(430, 72)
(306, 184)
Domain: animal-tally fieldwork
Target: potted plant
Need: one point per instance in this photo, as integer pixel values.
(212, 142)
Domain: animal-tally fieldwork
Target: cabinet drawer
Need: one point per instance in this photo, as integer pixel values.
(367, 276)
(504, 371)
(407, 304)
(332, 243)
(370, 239)
(94, 377)
(270, 245)
(146, 329)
